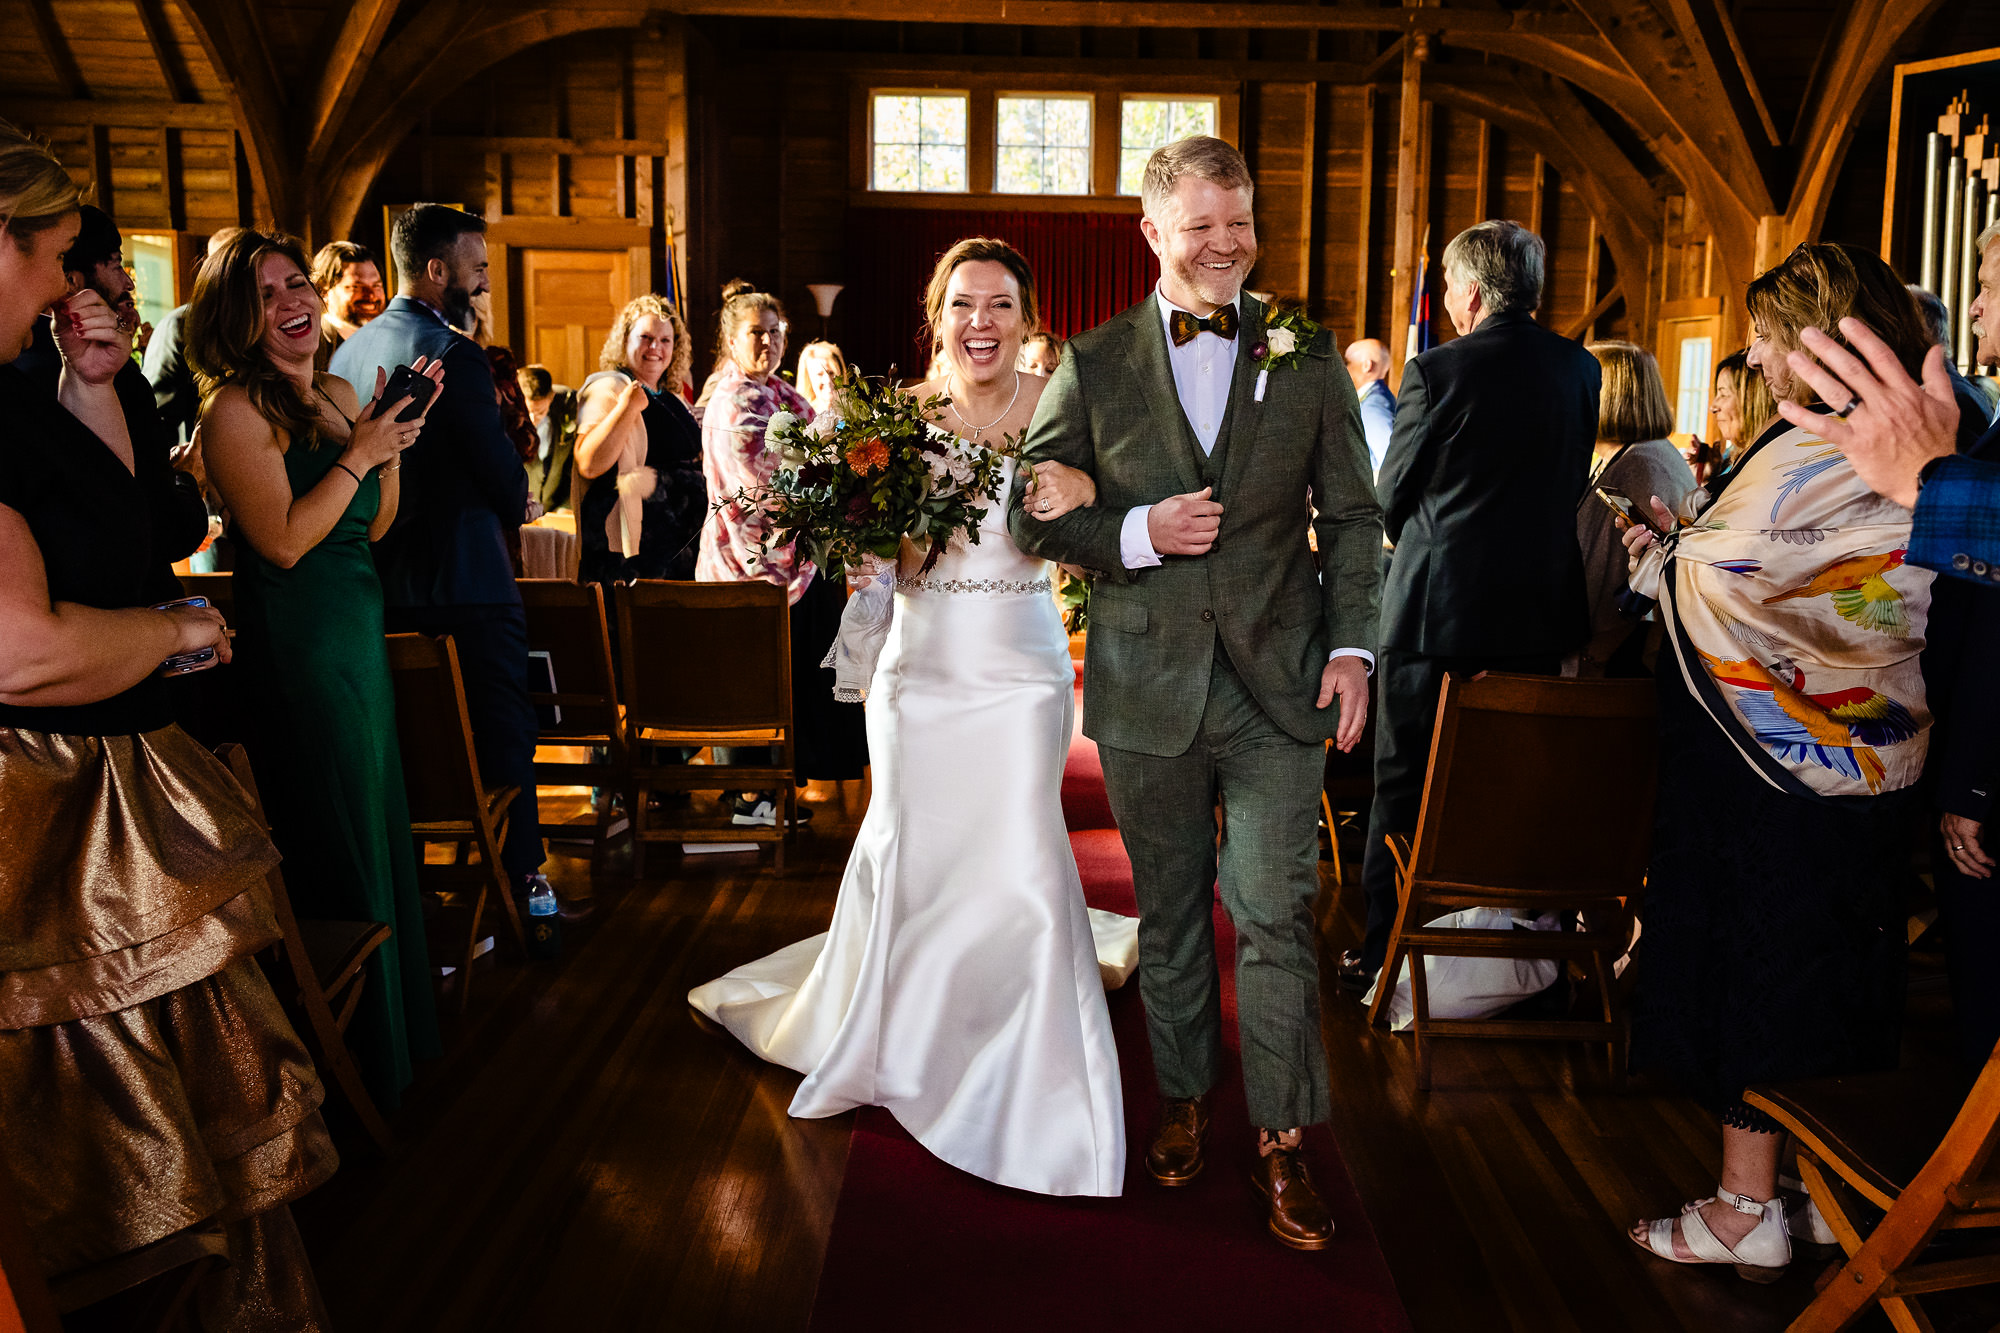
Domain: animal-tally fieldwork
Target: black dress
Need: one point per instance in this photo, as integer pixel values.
(1773, 944)
(673, 513)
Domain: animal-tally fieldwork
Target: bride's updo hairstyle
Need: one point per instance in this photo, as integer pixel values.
(972, 250)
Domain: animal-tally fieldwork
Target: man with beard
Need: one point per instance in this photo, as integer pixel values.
(444, 563)
(95, 265)
(351, 285)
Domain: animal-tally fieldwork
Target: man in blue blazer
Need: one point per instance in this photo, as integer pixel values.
(445, 564)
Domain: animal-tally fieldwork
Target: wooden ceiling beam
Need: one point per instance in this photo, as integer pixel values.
(347, 64)
(167, 56)
(120, 113)
(1168, 14)
(55, 48)
(1706, 28)
(234, 43)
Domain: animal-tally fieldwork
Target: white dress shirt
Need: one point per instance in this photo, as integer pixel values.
(1203, 367)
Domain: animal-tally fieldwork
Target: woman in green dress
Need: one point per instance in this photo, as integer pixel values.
(309, 477)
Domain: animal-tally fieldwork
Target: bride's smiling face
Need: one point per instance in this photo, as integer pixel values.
(981, 325)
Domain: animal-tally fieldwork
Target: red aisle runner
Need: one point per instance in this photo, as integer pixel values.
(917, 1244)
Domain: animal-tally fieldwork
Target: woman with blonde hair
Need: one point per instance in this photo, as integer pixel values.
(638, 452)
(1634, 460)
(310, 479)
(822, 366)
(159, 1110)
(1793, 729)
(1743, 410)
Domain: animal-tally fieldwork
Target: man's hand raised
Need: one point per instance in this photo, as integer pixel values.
(1184, 524)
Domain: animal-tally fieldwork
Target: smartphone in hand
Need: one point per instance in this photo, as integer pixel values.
(185, 663)
(407, 383)
(1629, 509)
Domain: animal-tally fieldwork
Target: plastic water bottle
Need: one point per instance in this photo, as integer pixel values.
(544, 925)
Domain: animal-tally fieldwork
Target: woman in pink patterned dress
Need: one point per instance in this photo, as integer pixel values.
(746, 392)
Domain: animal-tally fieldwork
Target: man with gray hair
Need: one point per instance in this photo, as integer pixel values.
(1220, 661)
(1489, 457)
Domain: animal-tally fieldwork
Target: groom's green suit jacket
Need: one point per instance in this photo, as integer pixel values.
(1295, 460)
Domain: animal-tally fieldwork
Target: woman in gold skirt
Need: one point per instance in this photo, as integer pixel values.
(155, 1105)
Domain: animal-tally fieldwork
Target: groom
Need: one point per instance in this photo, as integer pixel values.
(1216, 651)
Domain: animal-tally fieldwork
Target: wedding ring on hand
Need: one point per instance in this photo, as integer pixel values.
(1852, 403)
(1044, 506)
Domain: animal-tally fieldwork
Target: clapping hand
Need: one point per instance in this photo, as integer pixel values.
(92, 344)
(1887, 424)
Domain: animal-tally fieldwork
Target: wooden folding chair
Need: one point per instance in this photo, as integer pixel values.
(708, 664)
(566, 621)
(1911, 1144)
(326, 961)
(448, 801)
(1539, 798)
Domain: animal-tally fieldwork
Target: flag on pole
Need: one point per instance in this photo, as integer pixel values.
(1418, 339)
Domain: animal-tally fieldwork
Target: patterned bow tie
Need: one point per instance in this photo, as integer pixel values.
(1185, 326)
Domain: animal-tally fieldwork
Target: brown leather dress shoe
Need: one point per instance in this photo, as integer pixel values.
(1175, 1157)
(1351, 976)
(1298, 1215)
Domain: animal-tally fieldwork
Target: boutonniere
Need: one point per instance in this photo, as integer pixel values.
(1287, 338)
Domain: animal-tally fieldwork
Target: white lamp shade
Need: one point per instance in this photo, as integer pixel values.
(823, 294)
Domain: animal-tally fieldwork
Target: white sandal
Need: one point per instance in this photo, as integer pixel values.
(1761, 1256)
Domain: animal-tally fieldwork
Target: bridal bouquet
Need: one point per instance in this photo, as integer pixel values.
(852, 483)
(856, 481)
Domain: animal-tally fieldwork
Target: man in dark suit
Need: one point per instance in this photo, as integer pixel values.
(1490, 454)
(552, 408)
(444, 563)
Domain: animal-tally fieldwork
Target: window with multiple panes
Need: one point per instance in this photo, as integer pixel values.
(1149, 123)
(1043, 146)
(918, 142)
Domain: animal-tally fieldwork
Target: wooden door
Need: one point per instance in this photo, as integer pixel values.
(572, 299)
(1689, 343)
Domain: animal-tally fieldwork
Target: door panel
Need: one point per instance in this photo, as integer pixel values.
(572, 299)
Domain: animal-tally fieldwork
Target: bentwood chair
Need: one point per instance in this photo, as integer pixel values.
(449, 803)
(708, 664)
(327, 964)
(1518, 815)
(1913, 1145)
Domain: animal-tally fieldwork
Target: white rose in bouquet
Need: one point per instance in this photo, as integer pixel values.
(1281, 341)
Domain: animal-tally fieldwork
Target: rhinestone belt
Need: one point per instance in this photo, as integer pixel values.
(974, 585)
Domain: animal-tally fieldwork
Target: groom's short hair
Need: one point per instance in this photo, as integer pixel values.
(1198, 155)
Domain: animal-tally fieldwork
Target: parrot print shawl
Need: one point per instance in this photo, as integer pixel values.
(1797, 625)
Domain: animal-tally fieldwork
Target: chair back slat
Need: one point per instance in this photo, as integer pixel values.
(1540, 786)
(706, 655)
(567, 621)
(440, 772)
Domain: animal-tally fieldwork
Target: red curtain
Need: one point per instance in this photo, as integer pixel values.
(1089, 266)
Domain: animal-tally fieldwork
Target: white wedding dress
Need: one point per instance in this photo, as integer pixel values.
(959, 986)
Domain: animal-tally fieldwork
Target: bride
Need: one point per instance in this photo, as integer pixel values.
(959, 985)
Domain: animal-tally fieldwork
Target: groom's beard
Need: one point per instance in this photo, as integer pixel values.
(458, 310)
(1217, 289)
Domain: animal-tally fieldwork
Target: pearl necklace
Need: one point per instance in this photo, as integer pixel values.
(977, 431)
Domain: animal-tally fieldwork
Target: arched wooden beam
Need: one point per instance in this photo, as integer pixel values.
(1588, 62)
(1872, 31)
(1625, 231)
(232, 39)
(411, 78)
(1682, 79)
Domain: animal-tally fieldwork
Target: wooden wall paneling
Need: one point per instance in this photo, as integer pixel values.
(1364, 231)
(1483, 173)
(105, 196)
(1412, 166)
(1590, 278)
(1309, 168)
(172, 196)
(56, 49)
(166, 54)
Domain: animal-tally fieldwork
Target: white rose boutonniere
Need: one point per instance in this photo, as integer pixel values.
(1288, 338)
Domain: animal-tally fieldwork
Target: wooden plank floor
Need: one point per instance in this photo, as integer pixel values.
(586, 1157)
